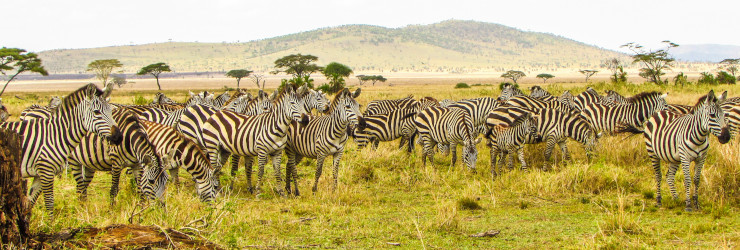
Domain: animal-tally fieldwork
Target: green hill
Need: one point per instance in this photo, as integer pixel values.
(450, 46)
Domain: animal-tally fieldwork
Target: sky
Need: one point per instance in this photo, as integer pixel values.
(39, 25)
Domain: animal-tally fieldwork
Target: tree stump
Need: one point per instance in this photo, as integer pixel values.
(13, 216)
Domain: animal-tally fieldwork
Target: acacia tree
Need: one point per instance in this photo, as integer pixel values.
(103, 68)
(20, 61)
(514, 75)
(336, 72)
(362, 79)
(545, 77)
(616, 66)
(588, 73)
(297, 65)
(730, 65)
(155, 69)
(257, 79)
(654, 62)
(239, 74)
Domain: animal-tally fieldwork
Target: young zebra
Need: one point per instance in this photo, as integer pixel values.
(321, 137)
(263, 135)
(447, 126)
(508, 91)
(47, 142)
(160, 98)
(95, 154)
(568, 99)
(625, 118)
(680, 140)
(388, 127)
(187, 154)
(510, 139)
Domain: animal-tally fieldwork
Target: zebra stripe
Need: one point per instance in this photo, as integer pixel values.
(535, 104)
(613, 98)
(387, 127)
(385, 106)
(625, 118)
(160, 98)
(47, 142)
(509, 140)
(447, 126)
(678, 139)
(586, 98)
(321, 137)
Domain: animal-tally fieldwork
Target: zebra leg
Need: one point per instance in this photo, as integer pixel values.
(319, 165)
(564, 149)
(175, 175)
(699, 164)
(510, 160)
(401, 142)
(248, 162)
(35, 191)
(376, 143)
(47, 187)
(686, 167)
(115, 179)
(494, 154)
(658, 176)
(671, 177)
(427, 150)
(520, 152)
(411, 143)
(548, 153)
(289, 165)
(234, 167)
(82, 178)
(261, 161)
(292, 166)
(337, 158)
(276, 157)
(453, 151)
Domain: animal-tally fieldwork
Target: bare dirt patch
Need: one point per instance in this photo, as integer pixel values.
(122, 236)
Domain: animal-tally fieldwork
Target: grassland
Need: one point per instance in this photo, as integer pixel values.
(386, 196)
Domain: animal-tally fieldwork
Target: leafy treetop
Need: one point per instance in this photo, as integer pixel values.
(514, 75)
(21, 61)
(297, 65)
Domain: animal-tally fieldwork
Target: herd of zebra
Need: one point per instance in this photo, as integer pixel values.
(86, 133)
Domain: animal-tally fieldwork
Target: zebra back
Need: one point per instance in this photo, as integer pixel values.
(385, 106)
(625, 118)
(535, 104)
(680, 109)
(613, 98)
(586, 98)
(438, 125)
(386, 126)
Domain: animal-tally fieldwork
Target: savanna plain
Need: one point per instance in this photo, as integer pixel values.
(386, 199)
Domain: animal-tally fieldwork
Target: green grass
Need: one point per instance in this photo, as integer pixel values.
(387, 196)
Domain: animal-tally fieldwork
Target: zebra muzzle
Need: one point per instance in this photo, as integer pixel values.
(724, 136)
(115, 137)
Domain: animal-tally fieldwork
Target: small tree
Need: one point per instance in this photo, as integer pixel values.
(680, 80)
(730, 65)
(377, 78)
(119, 81)
(725, 78)
(706, 78)
(154, 70)
(616, 66)
(18, 59)
(336, 72)
(239, 74)
(257, 79)
(545, 77)
(297, 65)
(514, 75)
(588, 73)
(654, 62)
(103, 68)
(362, 79)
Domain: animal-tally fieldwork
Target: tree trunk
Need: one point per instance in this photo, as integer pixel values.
(13, 212)
(237, 82)
(159, 87)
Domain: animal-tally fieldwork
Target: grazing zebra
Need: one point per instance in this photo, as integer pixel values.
(508, 91)
(388, 127)
(47, 142)
(625, 118)
(263, 135)
(553, 127)
(586, 98)
(538, 92)
(321, 137)
(169, 117)
(477, 109)
(536, 104)
(510, 139)
(96, 154)
(3, 112)
(446, 103)
(678, 139)
(385, 106)
(447, 126)
(183, 152)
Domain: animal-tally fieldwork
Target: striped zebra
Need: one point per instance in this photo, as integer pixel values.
(388, 127)
(96, 154)
(681, 139)
(510, 139)
(3, 112)
(37, 111)
(47, 142)
(160, 98)
(536, 104)
(586, 98)
(263, 135)
(538, 92)
(508, 91)
(553, 127)
(477, 109)
(185, 153)
(321, 137)
(385, 106)
(680, 109)
(625, 118)
(614, 98)
(168, 114)
(731, 108)
(568, 99)
(221, 99)
(437, 125)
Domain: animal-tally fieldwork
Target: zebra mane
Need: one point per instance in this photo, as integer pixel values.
(233, 97)
(702, 99)
(429, 98)
(641, 96)
(336, 99)
(73, 99)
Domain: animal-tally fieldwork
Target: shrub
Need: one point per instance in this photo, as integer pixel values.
(680, 80)
(504, 84)
(706, 78)
(467, 203)
(326, 88)
(140, 100)
(725, 78)
(462, 85)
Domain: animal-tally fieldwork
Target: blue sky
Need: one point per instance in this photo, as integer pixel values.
(48, 24)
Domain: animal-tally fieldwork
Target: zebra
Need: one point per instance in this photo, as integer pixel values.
(385, 106)
(47, 142)
(536, 104)
(388, 127)
(95, 154)
(160, 98)
(508, 91)
(183, 152)
(731, 108)
(168, 116)
(510, 139)
(221, 99)
(553, 127)
(680, 109)
(625, 118)
(586, 98)
(447, 126)
(614, 98)
(446, 103)
(263, 135)
(321, 137)
(538, 92)
(3, 112)
(567, 98)
(477, 109)
(681, 139)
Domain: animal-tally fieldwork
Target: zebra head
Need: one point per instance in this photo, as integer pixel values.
(509, 91)
(567, 99)
(347, 107)
(54, 102)
(613, 98)
(469, 152)
(446, 103)
(288, 104)
(538, 92)
(586, 98)
(154, 175)
(3, 111)
(160, 98)
(712, 117)
(312, 99)
(97, 117)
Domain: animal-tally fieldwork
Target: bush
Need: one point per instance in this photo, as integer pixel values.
(326, 88)
(725, 78)
(140, 100)
(462, 85)
(706, 78)
(680, 80)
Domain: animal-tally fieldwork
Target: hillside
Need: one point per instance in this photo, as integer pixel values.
(450, 46)
(705, 52)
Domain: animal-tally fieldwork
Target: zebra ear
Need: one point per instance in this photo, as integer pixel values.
(357, 93)
(477, 141)
(249, 96)
(302, 90)
(191, 94)
(722, 97)
(107, 90)
(275, 94)
(663, 96)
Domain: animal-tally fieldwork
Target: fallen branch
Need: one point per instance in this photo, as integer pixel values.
(491, 233)
(167, 236)
(134, 213)
(544, 199)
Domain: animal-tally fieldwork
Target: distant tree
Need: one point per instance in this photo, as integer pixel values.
(514, 75)
(616, 66)
(238, 74)
(20, 61)
(119, 81)
(545, 77)
(362, 79)
(257, 79)
(654, 62)
(376, 78)
(680, 79)
(588, 73)
(730, 65)
(155, 69)
(103, 68)
(297, 65)
(336, 72)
